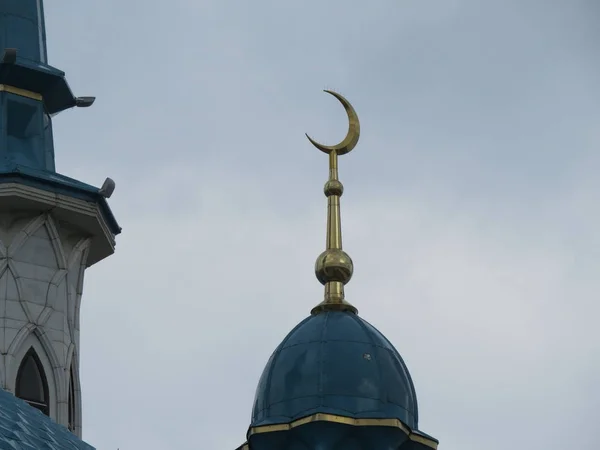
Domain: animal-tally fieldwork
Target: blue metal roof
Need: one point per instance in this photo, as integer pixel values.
(335, 363)
(23, 427)
(336, 382)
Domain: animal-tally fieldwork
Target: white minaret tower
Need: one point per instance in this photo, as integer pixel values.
(51, 227)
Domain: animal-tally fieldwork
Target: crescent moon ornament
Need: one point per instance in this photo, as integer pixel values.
(334, 267)
(352, 136)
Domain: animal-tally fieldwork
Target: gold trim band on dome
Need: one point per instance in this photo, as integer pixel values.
(21, 92)
(321, 417)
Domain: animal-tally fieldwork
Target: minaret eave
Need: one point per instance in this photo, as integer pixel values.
(88, 217)
(41, 79)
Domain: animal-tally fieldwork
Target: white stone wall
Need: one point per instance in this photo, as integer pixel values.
(42, 264)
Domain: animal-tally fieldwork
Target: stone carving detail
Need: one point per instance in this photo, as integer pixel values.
(42, 265)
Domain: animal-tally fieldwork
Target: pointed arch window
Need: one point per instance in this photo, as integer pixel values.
(71, 400)
(32, 385)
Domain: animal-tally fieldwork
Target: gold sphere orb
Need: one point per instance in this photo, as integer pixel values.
(333, 187)
(334, 265)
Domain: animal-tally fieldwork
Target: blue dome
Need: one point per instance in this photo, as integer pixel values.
(335, 363)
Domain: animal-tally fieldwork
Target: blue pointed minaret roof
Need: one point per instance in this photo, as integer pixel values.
(31, 93)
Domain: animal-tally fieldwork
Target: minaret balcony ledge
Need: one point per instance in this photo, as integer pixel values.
(86, 211)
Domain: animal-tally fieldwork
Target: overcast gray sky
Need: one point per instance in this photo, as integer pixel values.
(471, 207)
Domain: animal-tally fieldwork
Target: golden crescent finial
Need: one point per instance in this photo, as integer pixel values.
(334, 267)
(353, 134)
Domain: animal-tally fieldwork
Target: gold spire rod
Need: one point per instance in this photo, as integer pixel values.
(334, 267)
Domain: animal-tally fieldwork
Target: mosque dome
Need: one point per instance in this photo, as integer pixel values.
(336, 382)
(335, 363)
